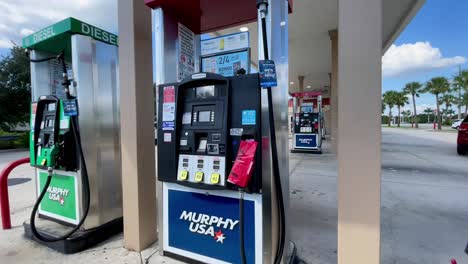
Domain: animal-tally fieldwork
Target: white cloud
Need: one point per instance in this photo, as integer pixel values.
(22, 17)
(26, 31)
(416, 57)
(419, 107)
(4, 43)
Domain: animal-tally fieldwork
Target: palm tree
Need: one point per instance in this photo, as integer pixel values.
(437, 86)
(414, 88)
(428, 111)
(389, 100)
(406, 114)
(449, 113)
(460, 82)
(400, 101)
(447, 100)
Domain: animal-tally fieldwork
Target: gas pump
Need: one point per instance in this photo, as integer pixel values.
(218, 164)
(308, 127)
(212, 116)
(74, 142)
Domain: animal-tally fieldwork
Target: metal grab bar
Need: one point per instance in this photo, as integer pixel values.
(4, 200)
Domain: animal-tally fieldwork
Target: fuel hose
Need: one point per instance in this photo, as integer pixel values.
(262, 6)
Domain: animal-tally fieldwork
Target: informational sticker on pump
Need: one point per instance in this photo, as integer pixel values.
(56, 78)
(167, 137)
(185, 52)
(70, 108)
(187, 118)
(168, 112)
(168, 115)
(236, 132)
(249, 117)
(267, 73)
(169, 94)
(168, 125)
(33, 115)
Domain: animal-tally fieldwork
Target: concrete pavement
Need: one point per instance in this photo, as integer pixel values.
(424, 207)
(14, 248)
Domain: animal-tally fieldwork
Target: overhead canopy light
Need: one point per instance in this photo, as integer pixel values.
(244, 29)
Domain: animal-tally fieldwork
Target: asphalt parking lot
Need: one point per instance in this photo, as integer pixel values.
(424, 200)
(424, 207)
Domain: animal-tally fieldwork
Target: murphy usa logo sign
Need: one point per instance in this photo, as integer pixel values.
(208, 225)
(57, 194)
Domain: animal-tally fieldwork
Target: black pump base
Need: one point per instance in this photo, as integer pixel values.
(79, 241)
(309, 151)
(290, 258)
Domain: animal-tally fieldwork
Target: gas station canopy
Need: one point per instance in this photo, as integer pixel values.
(309, 26)
(203, 16)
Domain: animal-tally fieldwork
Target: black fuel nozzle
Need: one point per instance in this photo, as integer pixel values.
(262, 2)
(262, 6)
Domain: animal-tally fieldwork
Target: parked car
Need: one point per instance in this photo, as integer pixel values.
(456, 123)
(462, 142)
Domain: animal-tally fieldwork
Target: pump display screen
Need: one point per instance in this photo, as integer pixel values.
(204, 116)
(205, 91)
(51, 107)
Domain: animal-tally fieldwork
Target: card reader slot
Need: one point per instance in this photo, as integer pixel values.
(201, 140)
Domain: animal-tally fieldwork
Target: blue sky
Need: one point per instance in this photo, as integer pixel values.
(439, 25)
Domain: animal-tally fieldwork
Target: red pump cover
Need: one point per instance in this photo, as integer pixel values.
(241, 171)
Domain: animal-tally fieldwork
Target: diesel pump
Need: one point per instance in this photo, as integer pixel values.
(74, 144)
(55, 147)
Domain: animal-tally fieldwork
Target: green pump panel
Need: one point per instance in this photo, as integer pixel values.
(51, 143)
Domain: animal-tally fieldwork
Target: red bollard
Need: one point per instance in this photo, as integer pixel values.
(4, 201)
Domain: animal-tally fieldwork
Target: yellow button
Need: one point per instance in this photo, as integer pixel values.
(183, 175)
(44, 161)
(199, 176)
(215, 178)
